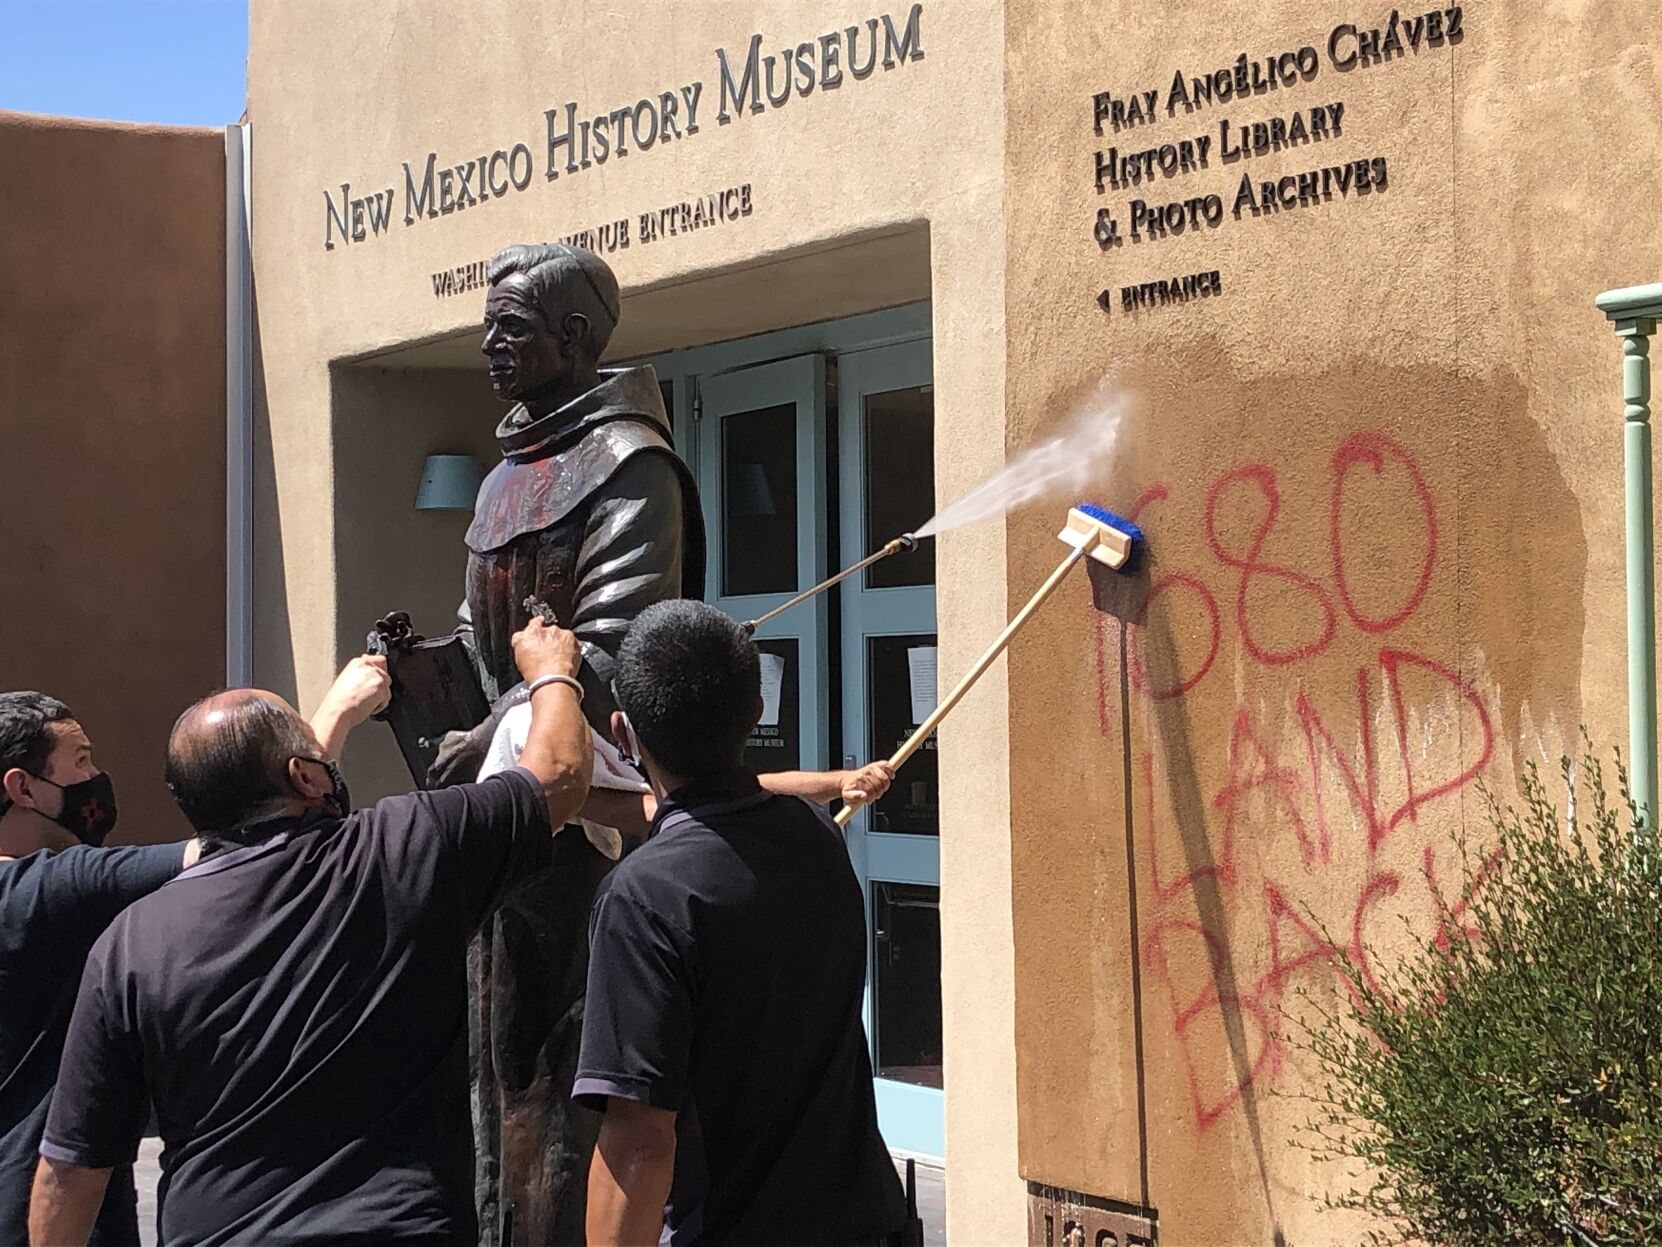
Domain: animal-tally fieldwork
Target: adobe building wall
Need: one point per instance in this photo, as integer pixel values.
(1376, 451)
(112, 434)
(388, 555)
(852, 200)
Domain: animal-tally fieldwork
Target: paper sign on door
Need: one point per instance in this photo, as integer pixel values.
(920, 661)
(773, 680)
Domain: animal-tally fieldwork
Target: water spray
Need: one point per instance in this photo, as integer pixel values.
(1062, 464)
(906, 541)
(1094, 533)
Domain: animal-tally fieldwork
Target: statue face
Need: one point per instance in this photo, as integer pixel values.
(526, 353)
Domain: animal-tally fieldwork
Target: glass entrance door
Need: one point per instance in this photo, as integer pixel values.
(785, 499)
(886, 452)
(762, 478)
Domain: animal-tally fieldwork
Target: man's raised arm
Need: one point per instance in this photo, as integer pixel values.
(866, 784)
(361, 690)
(558, 749)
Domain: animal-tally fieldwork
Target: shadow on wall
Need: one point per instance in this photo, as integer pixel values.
(1348, 616)
(388, 555)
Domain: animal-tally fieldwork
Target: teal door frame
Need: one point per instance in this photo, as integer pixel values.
(856, 356)
(911, 1116)
(799, 383)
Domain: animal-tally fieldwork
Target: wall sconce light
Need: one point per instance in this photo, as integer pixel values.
(449, 483)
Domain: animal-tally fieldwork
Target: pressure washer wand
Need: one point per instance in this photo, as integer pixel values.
(906, 541)
(1093, 533)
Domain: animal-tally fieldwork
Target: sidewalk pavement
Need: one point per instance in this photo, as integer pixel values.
(931, 1186)
(931, 1196)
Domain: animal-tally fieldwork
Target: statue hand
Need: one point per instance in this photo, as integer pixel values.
(460, 756)
(392, 627)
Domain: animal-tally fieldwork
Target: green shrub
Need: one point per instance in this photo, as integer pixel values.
(1499, 1084)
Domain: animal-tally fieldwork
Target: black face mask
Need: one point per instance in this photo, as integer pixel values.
(88, 811)
(339, 800)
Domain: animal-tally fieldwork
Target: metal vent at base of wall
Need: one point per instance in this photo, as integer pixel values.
(1062, 1218)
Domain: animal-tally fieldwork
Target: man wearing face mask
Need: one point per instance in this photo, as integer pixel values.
(57, 894)
(722, 1033)
(295, 1004)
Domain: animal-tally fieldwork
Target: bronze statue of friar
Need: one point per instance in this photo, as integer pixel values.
(591, 511)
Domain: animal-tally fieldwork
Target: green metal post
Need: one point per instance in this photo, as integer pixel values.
(1634, 312)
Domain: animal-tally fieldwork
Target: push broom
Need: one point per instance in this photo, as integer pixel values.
(1094, 533)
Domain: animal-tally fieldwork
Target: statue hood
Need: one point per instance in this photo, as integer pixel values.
(552, 463)
(627, 394)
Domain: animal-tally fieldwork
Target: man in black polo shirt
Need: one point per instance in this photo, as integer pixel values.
(722, 1034)
(295, 1003)
(57, 894)
(58, 891)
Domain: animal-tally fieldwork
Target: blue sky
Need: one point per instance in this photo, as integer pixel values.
(182, 62)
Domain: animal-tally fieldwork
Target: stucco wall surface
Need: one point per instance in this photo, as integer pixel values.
(348, 94)
(112, 434)
(389, 555)
(1380, 477)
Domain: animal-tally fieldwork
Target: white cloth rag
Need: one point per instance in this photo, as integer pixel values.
(513, 725)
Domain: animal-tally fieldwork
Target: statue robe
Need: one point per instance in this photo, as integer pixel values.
(592, 511)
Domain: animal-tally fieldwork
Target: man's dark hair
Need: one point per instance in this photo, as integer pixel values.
(565, 279)
(689, 677)
(26, 736)
(224, 774)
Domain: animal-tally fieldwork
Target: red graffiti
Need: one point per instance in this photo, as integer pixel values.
(1154, 493)
(1180, 683)
(1373, 449)
(1391, 660)
(1451, 918)
(1251, 565)
(1361, 792)
(1209, 1107)
(1284, 754)
(1198, 1022)
(1363, 786)
(1259, 771)
(1369, 449)
(1312, 946)
(1155, 953)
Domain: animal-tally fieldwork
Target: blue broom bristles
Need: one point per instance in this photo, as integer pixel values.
(1128, 527)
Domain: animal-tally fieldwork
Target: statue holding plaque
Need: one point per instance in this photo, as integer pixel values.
(592, 513)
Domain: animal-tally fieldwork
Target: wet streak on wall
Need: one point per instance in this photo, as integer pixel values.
(112, 421)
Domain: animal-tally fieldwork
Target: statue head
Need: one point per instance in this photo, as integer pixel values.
(549, 313)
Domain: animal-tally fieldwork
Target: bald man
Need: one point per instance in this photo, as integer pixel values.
(295, 1003)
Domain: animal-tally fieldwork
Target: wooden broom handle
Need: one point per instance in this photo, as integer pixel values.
(915, 741)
